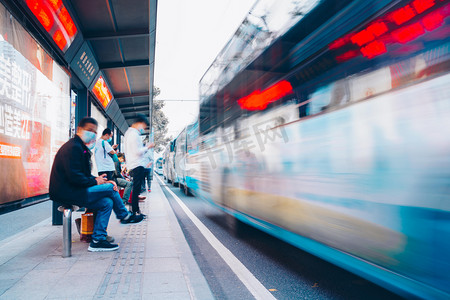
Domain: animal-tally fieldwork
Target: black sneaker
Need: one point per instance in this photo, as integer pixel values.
(103, 245)
(143, 215)
(133, 219)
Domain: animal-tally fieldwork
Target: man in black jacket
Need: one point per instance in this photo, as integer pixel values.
(71, 182)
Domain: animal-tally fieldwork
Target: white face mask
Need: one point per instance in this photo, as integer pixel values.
(91, 145)
(88, 136)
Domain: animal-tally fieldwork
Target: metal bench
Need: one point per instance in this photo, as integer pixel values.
(67, 228)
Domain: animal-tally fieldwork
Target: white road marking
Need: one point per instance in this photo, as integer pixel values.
(248, 279)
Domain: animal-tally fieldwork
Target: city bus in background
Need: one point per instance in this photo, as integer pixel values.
(159, 166)
(186, 147)
(169, 163)
(327, 124)
(180, 159)
(165, 157)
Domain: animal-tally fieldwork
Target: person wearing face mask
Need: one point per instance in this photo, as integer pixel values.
(71, 183)
(103, 153)
(136, 154)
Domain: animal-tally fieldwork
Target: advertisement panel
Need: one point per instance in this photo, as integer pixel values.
(56, 20)
(34, 112)
(102, 91)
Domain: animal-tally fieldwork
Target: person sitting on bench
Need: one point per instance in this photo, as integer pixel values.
(122, 181)
(71, 183)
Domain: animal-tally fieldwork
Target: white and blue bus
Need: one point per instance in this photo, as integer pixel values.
(159, 166)
(327, 124)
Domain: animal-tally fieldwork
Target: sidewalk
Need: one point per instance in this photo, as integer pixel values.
(154, 261)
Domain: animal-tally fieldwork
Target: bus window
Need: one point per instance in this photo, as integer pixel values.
(320, 99)
(339, 94)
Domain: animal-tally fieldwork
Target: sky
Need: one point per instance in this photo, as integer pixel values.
(189, 35)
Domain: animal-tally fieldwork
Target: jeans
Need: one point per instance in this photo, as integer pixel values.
(148, 178)
(138, 178)
(103, 199)
(128, 185)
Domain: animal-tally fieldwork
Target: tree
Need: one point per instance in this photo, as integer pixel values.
(159, 123)
(299, 9)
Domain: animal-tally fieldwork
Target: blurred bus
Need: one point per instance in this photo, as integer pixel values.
(168, 162)
(185, 165)
(180, 159)
(159, 166)
(327, 124)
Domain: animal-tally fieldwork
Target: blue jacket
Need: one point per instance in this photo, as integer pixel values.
(71, 173)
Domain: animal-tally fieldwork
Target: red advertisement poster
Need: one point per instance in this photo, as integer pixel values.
(34, 112)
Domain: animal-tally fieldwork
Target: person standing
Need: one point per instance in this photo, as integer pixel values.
(103, 153)
(148, 170)
(135, 153)
(71, 183)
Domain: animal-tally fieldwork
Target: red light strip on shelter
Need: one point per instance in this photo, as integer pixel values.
(42, 13)
(59, 39)
(55, 4)
(101, 91)
(372, 41)
(258, 100)
(55, 19)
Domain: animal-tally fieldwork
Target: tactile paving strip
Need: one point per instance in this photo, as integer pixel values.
(124, 275)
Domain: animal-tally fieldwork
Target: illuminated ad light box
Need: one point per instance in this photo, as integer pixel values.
(34, 112)
(56, 20)
(102, 92)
